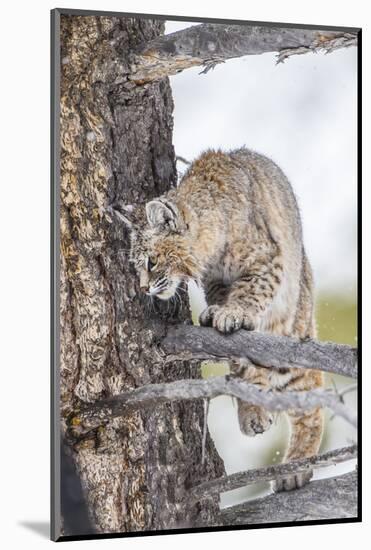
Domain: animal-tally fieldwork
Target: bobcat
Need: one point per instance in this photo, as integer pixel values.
(233, 225)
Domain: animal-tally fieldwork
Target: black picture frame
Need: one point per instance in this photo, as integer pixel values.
(55, 434)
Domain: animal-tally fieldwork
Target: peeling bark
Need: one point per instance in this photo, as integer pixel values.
(116, 143)
(210, 44)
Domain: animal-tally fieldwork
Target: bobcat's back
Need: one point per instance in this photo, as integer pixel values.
(243, 215)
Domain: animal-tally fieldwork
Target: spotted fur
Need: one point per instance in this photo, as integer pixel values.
(233, 225)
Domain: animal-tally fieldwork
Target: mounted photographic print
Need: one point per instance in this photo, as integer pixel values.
(204, 274)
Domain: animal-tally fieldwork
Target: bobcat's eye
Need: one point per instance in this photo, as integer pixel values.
(151, 263)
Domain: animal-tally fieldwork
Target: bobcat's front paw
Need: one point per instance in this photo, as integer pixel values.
(226, 319)
(292, 482)
(206, 317)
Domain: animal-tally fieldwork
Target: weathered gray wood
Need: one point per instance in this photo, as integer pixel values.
(152, 395)
(330, 498)
(116, 144)
(270, 473)
(210, 44)
(263, 349)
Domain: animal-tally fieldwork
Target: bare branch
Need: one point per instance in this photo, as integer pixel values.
(182, 159)
(210, 44)
(323, 499)
(266, 350)
(348, 389)
(270, 473)
(100, 412)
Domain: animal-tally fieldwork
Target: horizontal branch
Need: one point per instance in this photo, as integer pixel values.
(270, 473)
(100, 412)
(266, 350)
(323, 499)
(210, 44)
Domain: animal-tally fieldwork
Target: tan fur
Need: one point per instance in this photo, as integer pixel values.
(233, 225)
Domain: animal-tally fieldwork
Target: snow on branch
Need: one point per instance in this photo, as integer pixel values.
(210, 44)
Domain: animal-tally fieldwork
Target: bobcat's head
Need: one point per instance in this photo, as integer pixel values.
(161, 247)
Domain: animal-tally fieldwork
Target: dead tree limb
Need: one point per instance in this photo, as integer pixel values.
(270, 473)
(266, 350)
(210, 44)
(323, 499)
(100, 412)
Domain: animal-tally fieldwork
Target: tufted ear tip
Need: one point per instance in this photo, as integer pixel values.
(162, 213)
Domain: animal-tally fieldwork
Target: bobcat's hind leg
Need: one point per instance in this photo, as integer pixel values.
(305, 440)
(306, 429)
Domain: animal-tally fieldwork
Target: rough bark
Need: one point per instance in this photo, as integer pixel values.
(83, 420)
(210, 44)
(116, 143)
(323, 499)
(266, 350)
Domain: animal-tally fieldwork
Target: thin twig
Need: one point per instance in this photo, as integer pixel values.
(348, 389)
(340, 394)
(182, 159)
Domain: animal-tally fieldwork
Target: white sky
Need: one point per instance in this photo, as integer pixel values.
(302, 114)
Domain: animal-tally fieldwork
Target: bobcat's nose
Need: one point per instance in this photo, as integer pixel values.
(144, 289)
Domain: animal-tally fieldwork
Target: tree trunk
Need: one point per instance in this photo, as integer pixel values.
(116, 144)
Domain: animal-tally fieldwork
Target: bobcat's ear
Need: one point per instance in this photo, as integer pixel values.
(123, 212)
(162, 213)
